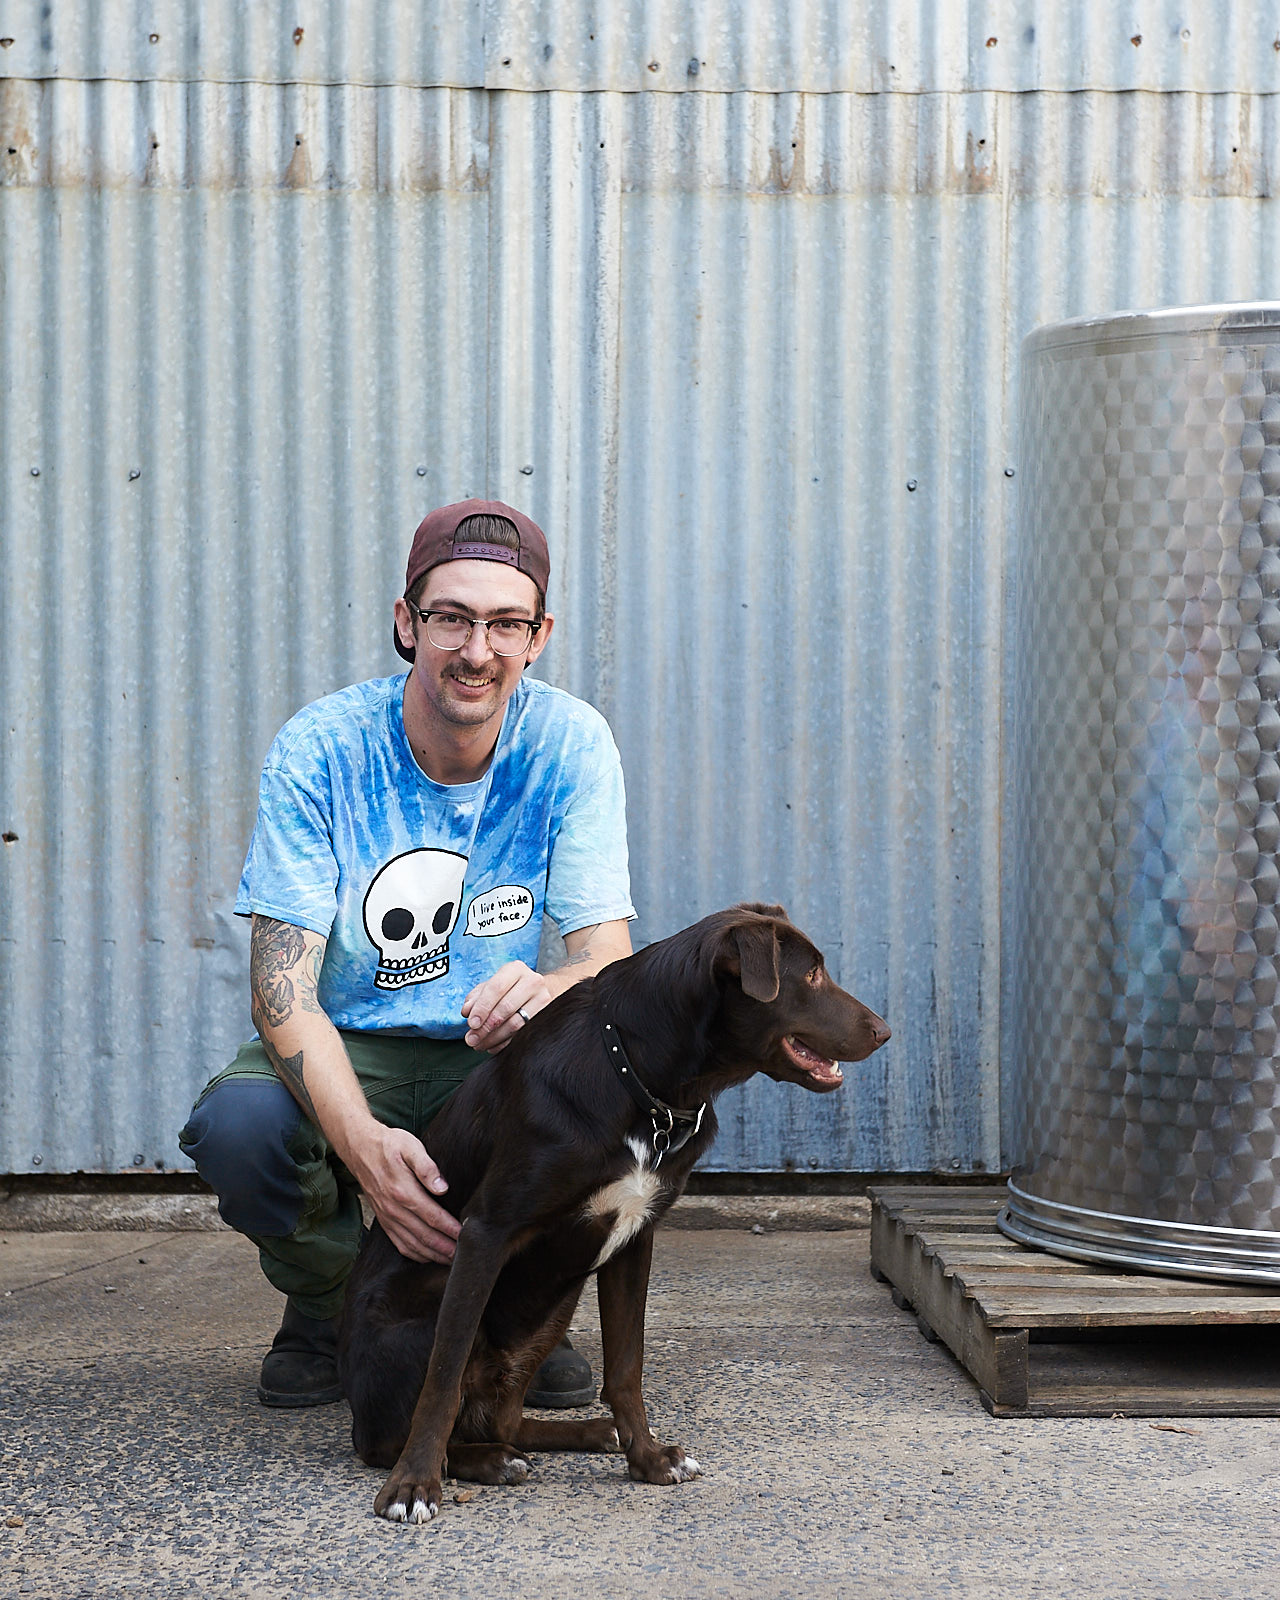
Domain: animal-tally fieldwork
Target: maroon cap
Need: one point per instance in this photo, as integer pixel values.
(435, 542)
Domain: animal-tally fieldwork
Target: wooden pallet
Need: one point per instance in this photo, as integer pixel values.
(1046, 1337)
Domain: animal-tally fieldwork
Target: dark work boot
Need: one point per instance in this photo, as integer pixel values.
(564, 1379)
(301, 1367)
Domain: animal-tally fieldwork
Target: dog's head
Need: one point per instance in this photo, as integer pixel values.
(783, 1008)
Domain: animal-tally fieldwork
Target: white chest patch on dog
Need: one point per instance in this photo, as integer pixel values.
(628, 1200)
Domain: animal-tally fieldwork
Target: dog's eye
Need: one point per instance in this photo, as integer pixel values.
(815, 976)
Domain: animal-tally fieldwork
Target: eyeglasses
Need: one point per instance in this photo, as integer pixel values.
(507, 636)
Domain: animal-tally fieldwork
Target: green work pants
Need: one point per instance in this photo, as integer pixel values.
(277, 1178)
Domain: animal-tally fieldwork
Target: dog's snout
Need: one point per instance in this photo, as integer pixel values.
(880, 1030)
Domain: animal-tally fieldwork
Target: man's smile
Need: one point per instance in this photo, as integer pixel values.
(471, 680)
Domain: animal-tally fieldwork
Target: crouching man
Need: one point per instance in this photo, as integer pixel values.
(411, 834)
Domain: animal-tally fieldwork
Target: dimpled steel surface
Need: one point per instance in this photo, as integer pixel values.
(1142, 949)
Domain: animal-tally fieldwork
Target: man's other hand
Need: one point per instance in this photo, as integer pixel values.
(493, 1007)
(400, 1179)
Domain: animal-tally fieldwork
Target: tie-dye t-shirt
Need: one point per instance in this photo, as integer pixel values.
(425, 889)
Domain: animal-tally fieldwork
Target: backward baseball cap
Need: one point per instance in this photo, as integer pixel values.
(436, 542)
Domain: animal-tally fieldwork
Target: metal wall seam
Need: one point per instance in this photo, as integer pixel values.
(328, 139)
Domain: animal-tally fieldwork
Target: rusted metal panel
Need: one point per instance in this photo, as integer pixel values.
(660, 46)
(749, 357)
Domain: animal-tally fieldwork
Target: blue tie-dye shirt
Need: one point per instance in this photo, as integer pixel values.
(425, 889)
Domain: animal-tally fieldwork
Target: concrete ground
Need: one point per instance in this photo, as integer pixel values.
(841, 1454)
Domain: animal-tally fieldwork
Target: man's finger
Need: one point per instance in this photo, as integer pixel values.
(417, 1238)
(425, 1170)
(435, 1249)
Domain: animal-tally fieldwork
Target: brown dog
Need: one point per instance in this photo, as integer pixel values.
(561, 1152)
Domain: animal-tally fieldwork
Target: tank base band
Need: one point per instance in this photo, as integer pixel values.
(1174, 1249)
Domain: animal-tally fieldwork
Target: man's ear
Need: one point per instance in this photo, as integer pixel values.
(756, 945)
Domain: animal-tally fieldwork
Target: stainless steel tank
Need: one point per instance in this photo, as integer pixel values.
(1140, 949)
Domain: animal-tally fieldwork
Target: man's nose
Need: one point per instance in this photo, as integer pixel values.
(477, 648)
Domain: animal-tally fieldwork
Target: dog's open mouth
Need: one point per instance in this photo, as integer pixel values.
(819, 1068)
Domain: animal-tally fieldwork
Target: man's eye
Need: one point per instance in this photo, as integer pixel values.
(507, 627)
(450, 619)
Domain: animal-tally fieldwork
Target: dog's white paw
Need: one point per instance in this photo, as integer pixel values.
(419, 1512)
(682, 1471)
(516, 1470)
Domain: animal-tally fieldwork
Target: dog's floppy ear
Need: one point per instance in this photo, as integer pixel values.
(756, 944)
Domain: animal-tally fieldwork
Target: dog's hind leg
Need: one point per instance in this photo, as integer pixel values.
(596, 1433)
(622, 1285)
(383, 1378)
(487, 1463)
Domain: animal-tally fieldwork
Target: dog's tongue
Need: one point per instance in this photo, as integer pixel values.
(816, 1066)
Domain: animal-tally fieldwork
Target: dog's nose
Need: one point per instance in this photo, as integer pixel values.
(880, 1030)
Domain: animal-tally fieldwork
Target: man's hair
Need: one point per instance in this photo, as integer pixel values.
(484, 529)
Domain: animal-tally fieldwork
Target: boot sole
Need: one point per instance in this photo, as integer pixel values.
(560, 1399)
(287, 1401)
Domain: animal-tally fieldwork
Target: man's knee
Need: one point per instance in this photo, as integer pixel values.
(238, 1136)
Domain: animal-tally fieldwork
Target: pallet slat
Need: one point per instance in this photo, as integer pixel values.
(985, 1296)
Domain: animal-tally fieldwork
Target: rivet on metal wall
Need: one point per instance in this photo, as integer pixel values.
(1136, 40)
(992, 42)
(694, 67)
(137, 1161)
(655, 66)
(5, 43)
(422, 472)
(911, 485)
(506, 61)
(35, 472)
(1008, 472)
(154, 37)
(1185, 35)
(37, 1161)
(134, 473)
(297, 36)
(526, 472)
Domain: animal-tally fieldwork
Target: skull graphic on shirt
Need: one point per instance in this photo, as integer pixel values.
(409, 912)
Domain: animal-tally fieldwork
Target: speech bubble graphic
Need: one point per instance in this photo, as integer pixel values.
(500, 910)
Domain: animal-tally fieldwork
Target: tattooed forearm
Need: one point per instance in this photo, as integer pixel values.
(312, 963)
(290, 1071)
(274, 948)
(584, 955)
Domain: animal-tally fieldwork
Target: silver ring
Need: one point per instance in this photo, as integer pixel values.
(521, 1012)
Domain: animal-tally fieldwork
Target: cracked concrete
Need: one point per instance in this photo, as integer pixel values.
(841, 1454)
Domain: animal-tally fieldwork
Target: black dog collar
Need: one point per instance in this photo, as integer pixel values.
(672, 1129)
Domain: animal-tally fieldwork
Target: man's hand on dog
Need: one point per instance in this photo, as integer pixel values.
(399, 1180)
(493, 1008)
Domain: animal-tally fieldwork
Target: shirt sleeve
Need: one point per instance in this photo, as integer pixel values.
(291, 872)
(588, 880)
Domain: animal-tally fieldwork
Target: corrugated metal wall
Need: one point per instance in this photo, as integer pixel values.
(743, 338)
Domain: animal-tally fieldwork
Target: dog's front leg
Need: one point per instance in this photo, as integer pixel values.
(622, 1285)
(412, 1492)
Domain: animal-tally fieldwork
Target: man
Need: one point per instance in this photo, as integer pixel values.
(411, 833)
